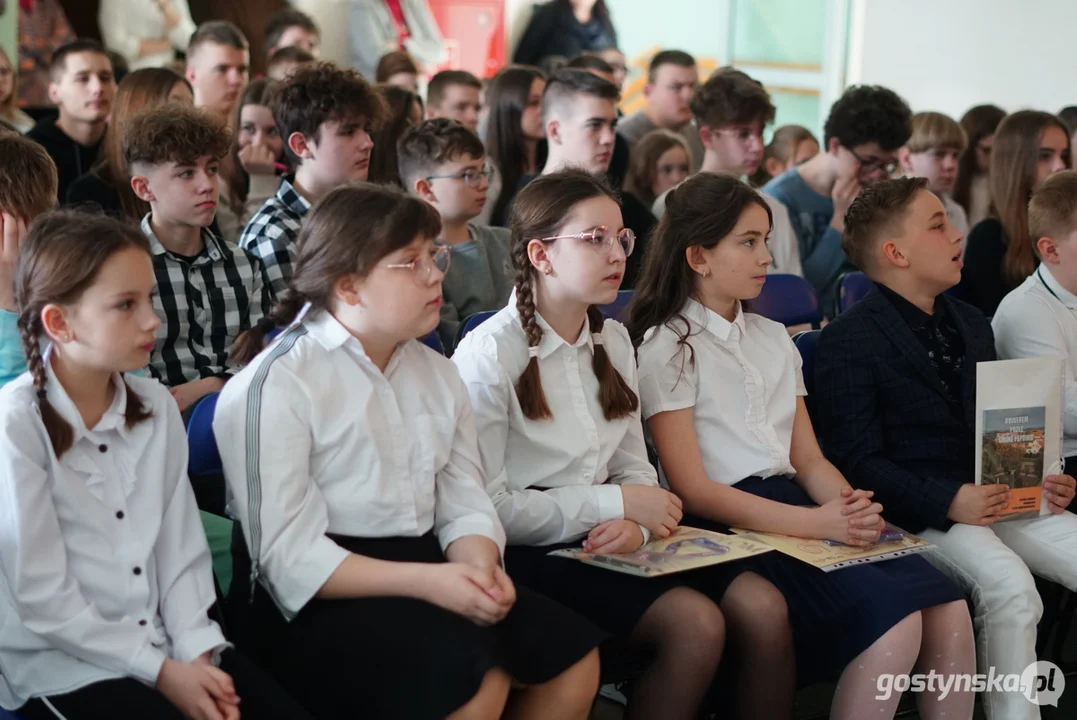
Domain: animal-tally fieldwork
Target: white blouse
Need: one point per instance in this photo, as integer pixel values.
(104, 567)
(126, 23)
(743, 379)
(551, 480)
(315, 439)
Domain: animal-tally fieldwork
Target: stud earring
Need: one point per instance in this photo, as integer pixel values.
(706, 273)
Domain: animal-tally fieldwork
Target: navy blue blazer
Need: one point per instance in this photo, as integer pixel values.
(884, 417)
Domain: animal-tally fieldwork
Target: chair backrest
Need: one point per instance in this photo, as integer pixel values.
(854, 287)
(615, 309)
(806, 343)
(205, 458)
(472, 322)
(433, 341)
(788, 299)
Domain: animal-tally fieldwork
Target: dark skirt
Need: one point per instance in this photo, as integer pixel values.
(398, 657)
(837, 615)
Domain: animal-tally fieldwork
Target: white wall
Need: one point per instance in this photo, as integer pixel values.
(948, 55)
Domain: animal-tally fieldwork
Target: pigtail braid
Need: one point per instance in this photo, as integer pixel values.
(614, 393)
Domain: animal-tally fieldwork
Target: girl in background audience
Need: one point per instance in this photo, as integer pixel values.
(350, 448)
(1029, 147)
(249, 173)
(405, 110)
(659, 161)
(107, 577)
(107, 186)
(790, 146)
(554, 390)
(513, 130)
(972, 191)
(398, 69)
(9, 109)
(723, 395)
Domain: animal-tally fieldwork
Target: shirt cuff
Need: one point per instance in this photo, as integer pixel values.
(473, 525)
(146, 664)
(646, 534)
(198, 642)
(611, 504)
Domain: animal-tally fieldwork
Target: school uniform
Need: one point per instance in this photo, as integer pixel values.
(326, 455)
(552, 481)
(742, 380)
(105, 568)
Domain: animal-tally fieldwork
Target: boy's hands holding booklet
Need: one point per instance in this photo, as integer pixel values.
(979, 504)
(1059, 490)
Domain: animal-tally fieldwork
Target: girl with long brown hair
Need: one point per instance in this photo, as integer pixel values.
(350, 448)
(9, 96)
(249, 173)
(513, 131)
(554, 389)
(722, 392)
(107, 576)
(661, 160)
(972, 191)
(405, 110)
(1029, 147)
(107, 186)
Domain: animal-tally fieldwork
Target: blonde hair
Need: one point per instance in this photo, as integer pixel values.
(8, 104)
(934, 130)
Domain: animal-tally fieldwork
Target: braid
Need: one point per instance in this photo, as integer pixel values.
(614, 394)
(61, 434)
(251, 342)
(529, 386)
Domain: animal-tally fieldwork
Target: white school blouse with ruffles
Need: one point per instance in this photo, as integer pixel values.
(743, 379)
(552, 480)
(105, 567)
(315, 439)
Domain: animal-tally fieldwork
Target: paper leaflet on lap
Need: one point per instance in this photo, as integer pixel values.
(1019, 429)
(828, 555)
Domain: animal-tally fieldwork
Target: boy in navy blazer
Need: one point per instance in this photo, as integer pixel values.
(896, 400)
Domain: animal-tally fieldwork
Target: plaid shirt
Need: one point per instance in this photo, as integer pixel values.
(272, 232)
(204, 304)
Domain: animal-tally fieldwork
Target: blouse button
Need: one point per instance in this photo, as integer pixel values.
(138, 571)
(142, 623)
(119, 514)
(103, 448)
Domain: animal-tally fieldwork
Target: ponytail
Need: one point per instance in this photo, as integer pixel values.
(251, 342)
(529, 386)
(614, 394)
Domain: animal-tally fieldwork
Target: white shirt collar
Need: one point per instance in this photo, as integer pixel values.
(551, 341)
(115, 418)
(1047, 277)
(711, 321)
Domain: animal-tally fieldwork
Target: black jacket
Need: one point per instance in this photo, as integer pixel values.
(72, 159)
(93, 192)
(554, 30)
(884, 416)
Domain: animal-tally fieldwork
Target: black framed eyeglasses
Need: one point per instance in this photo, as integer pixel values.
(471, 176)
(871, 164)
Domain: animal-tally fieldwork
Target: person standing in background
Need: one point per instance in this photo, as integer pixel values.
(377, 27)
(568, 28)
(146, 33)
(43, 28)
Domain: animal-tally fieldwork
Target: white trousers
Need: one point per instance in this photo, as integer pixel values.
(995, 566)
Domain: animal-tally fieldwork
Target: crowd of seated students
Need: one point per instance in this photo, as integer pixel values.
(392, 499)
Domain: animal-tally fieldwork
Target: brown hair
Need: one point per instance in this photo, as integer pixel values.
(9, 105)
(978, 123)
(782, 146)
(178, 134)
(383, 159)
(702, 210)
(392, 63)
(141, 90)
(564, 86)
(288, 55)
(435, 89)
(934, 130)
(507, 98)
(1052, 211)
(283, 20)
(1013, 176)
(58, 63)
(28, 178)
(669, 57)
(423, 148)
(346, 233)
(876, 212)
(59, 259)
(540, 211)
(234, 177)
(320, 93)
(217, 32)
(731, 97)
(643, 162)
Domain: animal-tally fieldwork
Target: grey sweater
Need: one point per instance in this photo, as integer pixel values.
(480, 279)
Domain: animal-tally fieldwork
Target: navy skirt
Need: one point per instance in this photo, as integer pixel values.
(837, 615)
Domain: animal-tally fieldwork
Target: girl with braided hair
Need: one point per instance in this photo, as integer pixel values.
(105, 574)
(554, 389)
(351, 452)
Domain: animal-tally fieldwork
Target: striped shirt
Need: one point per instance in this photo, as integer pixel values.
(204, 303)
(272, 233)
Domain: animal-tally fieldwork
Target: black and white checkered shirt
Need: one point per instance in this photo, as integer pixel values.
(272, 232)
(204, 304)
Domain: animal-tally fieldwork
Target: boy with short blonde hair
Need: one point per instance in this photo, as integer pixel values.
(933, 152)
